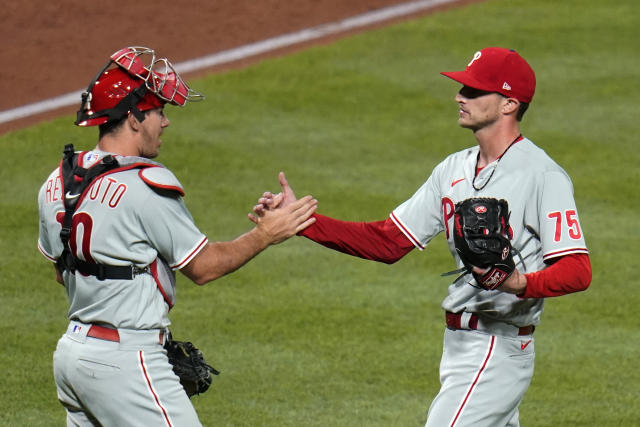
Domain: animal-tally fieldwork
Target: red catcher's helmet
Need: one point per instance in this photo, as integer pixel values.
(133, 81)
(113, 96)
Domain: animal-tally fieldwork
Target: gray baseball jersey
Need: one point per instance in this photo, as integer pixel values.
(122, 219)
(544, 219)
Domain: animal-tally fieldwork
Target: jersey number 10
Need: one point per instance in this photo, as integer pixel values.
(84, 219)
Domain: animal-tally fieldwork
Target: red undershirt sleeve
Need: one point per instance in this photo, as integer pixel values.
(379, 241)
(383, 241)
(570, 273)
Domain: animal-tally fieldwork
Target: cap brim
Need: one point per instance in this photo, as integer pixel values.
(92, 122)
(466, 79)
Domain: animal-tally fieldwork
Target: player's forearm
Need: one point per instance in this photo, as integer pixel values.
(220, 258)
(571, 273)
(275, 226)
(378, 241)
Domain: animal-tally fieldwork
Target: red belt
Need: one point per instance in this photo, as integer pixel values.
(103, 333)
(110, 334)
(454, 321)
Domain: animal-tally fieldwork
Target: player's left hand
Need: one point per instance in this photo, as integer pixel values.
(515, 284)
(482, 240)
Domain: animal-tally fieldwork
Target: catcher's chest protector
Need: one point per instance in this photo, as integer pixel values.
(75, 181)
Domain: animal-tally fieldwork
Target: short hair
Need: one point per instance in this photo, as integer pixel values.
(111, 127)
(522, 108)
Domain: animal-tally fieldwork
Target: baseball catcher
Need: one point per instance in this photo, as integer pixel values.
(117, 229)
(481, 239)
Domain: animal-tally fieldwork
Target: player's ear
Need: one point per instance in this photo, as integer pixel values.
(510, 106)
(133, 122)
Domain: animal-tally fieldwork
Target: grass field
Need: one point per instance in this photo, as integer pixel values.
(305, 336)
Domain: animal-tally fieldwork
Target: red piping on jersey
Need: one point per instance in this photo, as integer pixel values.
(156, 185)
(563, 252)
(191, 255)
(81, 158)
(154, 273)
(153, 392)
(46, 255)
(407, 233)
(475, 381)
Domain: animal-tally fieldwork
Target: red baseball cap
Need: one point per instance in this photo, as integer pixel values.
(496, 69)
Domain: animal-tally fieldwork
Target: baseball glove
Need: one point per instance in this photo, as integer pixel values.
(189, 365)
(481, 238)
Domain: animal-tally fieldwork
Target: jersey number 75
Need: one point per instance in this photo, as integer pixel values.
(572, 224)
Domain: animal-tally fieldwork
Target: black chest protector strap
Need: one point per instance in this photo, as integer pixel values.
(75, 181)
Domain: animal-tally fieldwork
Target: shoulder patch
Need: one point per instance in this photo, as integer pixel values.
(162, 178)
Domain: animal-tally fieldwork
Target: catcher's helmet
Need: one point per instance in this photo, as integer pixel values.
(129, 84)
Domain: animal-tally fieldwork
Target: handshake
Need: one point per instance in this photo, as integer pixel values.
(280, 216)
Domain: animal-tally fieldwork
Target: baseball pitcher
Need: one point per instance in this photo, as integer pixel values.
(508, 213)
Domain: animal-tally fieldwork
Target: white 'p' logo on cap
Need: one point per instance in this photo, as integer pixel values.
(476, 56)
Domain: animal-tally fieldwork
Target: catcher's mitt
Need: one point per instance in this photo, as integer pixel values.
(481, 238)
(189, 365)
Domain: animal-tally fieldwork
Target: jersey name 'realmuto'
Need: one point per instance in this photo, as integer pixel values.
(128, 216)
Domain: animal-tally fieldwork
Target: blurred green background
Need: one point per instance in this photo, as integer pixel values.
(307, 336)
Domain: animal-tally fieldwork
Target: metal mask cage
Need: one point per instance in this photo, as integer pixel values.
(137, 60)
(167, 84)
(160, 75)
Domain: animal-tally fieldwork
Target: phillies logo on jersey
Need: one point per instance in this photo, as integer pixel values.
(448, 210)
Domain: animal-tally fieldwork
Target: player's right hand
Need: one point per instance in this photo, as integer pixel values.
(284, 221)
(270, 201)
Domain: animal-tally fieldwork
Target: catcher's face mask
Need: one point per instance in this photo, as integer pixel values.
(133, 81)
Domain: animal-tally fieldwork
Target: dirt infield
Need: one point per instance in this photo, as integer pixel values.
(54, 48)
